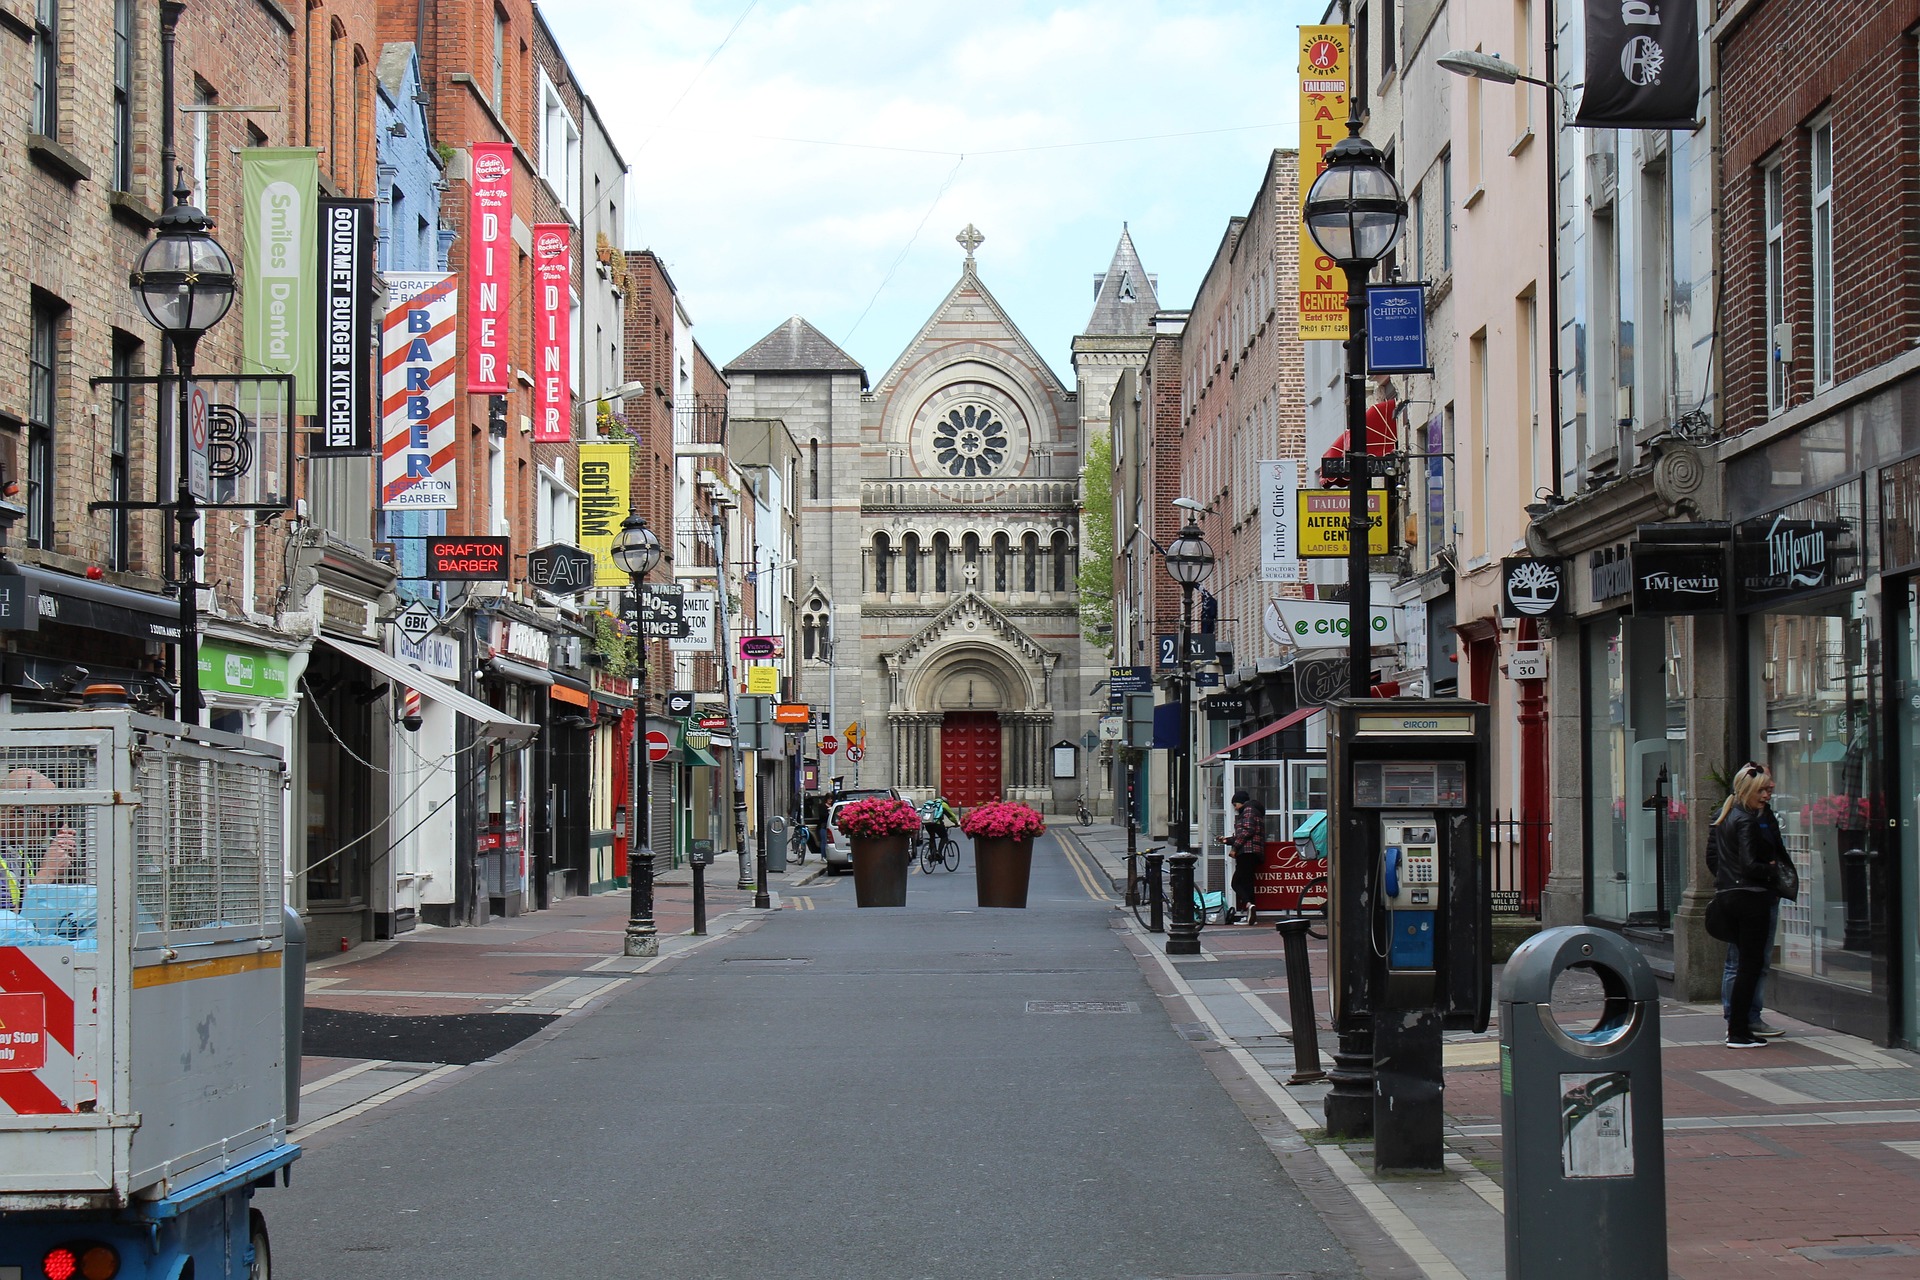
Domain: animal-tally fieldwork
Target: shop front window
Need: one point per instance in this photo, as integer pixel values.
(1814, 719)
(1638, 818)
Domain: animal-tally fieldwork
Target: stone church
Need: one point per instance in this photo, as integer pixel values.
(940, 526)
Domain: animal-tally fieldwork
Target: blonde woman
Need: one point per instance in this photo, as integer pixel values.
(1741, 850)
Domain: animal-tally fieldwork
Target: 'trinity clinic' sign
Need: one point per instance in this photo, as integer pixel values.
(1279, 549)
(489, 255)
(552, 332)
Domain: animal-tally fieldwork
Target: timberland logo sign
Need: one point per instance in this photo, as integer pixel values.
(1533, 588)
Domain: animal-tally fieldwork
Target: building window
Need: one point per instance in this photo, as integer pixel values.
(499, 60)
(813, 469)
(880, 553)
(46, 68)
(1822, 252)
(126, 365)
(42, 399)
(123, 17)
(969, 441)
(559, 146)
(1776, 270)
(1059, 562)
(202, 143)
(910, 556)
(1002, 549)
(1030, 579)
(942, 552)
(1446, 212)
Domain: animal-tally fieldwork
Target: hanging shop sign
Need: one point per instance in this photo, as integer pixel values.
(661, 611)
(552, 332)
(279, 194)
(417, 428)
(1323, 122)
(1643, 65)
(1279, 485)
(1317, 624)
(1609, 573)
(1776, 557)
(233, 668)
(346, 328)
(1397, 329)
(760, 648)
(489, 257)
(794, 713)
(1527, 664)
(560, 569)
(1674, 581)
(763, 680)
(1226, 706)
(697, 610)
(16, 604)
(680, 703)
(477, 559)
(1323, 523)
(606, 485)
(1531, 588)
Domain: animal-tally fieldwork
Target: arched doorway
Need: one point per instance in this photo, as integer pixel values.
(970, 756)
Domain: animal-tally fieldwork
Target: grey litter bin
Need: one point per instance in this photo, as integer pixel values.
(293, 976)
(1581, 1116)
(778, 829)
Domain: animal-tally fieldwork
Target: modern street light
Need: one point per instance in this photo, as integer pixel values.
(184, 284)
(1189, 561)
(1355, 213)
(636, 551)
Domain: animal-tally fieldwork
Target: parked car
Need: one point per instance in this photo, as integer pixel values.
(837, 853)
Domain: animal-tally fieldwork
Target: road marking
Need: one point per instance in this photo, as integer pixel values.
(1386, 1214)
(339, 1076)
(1906, 1148)
(1087, 880)
(799, 904)
(378, 1099)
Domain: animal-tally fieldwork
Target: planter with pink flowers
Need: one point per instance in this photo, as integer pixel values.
(1003, 834)
(878, 831)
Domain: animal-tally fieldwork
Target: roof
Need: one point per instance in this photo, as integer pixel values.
(795, 347)
(1126, 301)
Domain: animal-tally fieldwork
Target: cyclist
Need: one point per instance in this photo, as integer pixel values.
(936, 815)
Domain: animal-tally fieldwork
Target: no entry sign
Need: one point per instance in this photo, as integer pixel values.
(657, 746)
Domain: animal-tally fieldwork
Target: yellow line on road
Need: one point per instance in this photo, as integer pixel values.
(799, 904)
(1088, 880)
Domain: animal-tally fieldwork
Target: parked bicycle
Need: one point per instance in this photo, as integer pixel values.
(799, 844)
(1208, 908)
(1315, 900)
(1086, 814)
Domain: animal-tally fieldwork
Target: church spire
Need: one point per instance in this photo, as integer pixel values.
(1124, 298)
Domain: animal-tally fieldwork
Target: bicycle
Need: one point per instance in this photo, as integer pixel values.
(943, 853)
(1316, 899)
(1208, 908)
(799, 844)
(1086, 815)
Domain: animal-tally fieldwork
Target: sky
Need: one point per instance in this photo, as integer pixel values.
(818, 157)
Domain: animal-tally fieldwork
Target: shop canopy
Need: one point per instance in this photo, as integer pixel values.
(1284, 722)
(489, 722)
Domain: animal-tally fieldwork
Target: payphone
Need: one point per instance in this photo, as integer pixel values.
(1411, 919)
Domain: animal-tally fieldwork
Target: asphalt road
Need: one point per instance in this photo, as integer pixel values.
(838, 1093)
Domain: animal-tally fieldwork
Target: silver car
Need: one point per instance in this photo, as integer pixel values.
(837, 852)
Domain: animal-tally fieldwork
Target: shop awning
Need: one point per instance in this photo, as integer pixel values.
(491, 723)
(1284, 722)
(508, 669)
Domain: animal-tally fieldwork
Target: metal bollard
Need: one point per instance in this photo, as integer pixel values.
(1581, 1115)
(1183, 931)
(699, 859)
(1300, 1011)
(1156, 901)
(293, 978)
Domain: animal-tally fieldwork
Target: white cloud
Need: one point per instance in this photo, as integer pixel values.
(758, 220)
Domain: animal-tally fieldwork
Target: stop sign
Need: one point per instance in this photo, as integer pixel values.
(657, 746)
(829, 744)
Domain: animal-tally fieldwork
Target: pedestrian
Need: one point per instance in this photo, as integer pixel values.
(23, 859)
(1742, 848)
(1249, 846)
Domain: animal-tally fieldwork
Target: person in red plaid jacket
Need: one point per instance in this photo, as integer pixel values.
(1249, 846)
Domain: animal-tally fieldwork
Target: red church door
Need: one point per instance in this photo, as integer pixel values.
(970, 757)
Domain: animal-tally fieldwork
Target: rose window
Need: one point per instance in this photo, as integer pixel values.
(969, 442)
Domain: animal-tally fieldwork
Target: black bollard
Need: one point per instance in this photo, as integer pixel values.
(1156, 913)
(699, 898)
(762, 899)
(1306, 1030)
(1183, 931)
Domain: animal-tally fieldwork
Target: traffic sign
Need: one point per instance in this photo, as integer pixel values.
(416, 622)
(854, 754)
(680, 703)
(199, 463)
(657, 745)
(829, 744)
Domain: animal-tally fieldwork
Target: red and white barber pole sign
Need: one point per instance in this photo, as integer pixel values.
(552, 332)
(489, 258)
(37, 1075)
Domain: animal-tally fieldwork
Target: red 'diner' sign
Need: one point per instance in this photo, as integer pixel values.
(552, 332)
(489, 256)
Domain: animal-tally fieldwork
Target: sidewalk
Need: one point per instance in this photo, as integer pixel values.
(390, 1017)
(1800, 1159)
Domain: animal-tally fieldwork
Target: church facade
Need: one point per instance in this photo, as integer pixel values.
(940, 526)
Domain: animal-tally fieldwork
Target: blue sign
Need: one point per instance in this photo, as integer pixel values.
(1397, 329)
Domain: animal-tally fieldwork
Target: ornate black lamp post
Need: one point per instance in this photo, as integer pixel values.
(184, 284)
(636, 551)
(1355, 213)
(1189, 561)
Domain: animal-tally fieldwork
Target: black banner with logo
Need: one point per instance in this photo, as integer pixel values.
(1674, 581)
(1777, 558)
(1643, 65)
(345, 366)
(1531, 588)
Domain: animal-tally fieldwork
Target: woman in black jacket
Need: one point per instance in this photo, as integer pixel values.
(1742, 848)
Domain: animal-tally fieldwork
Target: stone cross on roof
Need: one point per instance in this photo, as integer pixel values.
(970, 239)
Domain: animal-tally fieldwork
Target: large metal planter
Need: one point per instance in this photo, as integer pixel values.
(1002, 868)
(879, 871)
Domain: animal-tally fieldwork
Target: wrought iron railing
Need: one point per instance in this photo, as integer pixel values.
(704, 422)
(1519, 854)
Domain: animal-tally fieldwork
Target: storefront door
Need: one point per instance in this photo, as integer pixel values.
(1903, 635)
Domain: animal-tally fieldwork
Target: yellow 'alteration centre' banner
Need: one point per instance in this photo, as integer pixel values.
(1323, 122)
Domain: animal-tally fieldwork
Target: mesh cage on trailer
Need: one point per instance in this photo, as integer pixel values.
(206, 841)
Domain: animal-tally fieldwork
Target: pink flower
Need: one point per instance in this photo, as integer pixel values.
(878, 816)
(1003, 820)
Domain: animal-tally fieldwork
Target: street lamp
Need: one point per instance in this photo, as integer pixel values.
(184, 284)
(1355, 213)
(1189, 561)
(636, 551)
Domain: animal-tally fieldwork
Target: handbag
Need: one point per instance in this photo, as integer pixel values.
(1784, 878)
(1719, 927)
